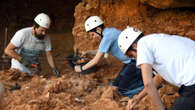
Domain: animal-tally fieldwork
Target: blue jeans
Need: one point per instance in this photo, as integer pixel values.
(129, 81)
(130, 92)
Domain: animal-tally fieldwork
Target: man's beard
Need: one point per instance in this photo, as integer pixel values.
(39, 36)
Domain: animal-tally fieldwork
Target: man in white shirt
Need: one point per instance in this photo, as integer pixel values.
(28, 44)
(173, 57)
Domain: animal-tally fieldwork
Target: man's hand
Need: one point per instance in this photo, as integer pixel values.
(131, 103)
(56, 72)
(77, 68)
(84, 54)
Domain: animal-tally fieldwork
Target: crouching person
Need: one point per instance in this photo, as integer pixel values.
(172, 56)
(129, 81)
(28, 44)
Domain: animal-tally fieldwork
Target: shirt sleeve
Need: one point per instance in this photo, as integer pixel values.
(18, 39)
(105, 44)
(48, 44)
(144, 53)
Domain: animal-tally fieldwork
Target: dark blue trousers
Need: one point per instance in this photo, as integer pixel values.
(129, 81)
(186, 100)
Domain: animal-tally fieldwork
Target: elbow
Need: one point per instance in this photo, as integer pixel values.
(6, 51)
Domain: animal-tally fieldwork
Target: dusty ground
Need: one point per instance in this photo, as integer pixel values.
(69, 92)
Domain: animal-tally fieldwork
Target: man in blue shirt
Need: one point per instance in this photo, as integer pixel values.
(129, 80)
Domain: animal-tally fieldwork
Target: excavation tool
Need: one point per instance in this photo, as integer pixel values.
(73, 61)
(35, 68)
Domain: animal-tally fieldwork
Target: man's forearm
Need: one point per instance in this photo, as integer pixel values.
(10, 51)
(92, 51)
(150, 85)
(94, 61)
(50, 59)
(153, 94)
(90, 64)
(13, 54)
(157, 80)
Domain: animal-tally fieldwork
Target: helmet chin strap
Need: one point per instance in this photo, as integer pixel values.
(135, 50)
(100, 34)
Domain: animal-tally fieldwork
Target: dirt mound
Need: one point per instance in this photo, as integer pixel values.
(70, 92)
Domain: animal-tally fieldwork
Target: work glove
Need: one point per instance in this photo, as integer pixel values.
(56, 72)
(26, 62)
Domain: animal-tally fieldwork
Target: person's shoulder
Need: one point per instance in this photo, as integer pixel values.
(154, 36)
(111, 30)
(159, 35)
(25, 30)
(148, 38)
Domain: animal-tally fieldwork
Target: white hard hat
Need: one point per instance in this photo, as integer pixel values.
(127, 37)
(43, 20)
(1, 90)
(92, 22)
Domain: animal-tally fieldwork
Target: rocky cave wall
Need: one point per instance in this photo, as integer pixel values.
(139, 14)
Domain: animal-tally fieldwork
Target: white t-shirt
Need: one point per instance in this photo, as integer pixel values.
(24, 39)
(173, 57)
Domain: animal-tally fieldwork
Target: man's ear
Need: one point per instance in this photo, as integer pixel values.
(134, 45)
(98, 29)
(33, 25)
(33, 28)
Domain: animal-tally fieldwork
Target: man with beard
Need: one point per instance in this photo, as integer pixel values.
(28, 44)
